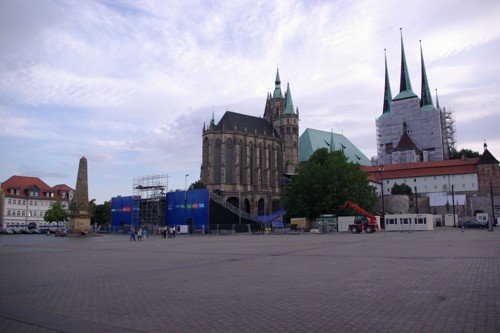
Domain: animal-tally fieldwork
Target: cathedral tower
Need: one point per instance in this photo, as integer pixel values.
(284, 117)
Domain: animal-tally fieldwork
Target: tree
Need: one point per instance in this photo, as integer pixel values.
(197, 185)
(466, 153)
(402, 189)
(56, 213)
(324, 183)
(102, 213)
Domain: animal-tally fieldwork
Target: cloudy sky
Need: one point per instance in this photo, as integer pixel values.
(129, 84)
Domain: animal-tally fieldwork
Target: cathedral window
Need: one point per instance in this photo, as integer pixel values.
(229, 161)
(251, 163)
(217, 162)
(242, 162)
(262, 168)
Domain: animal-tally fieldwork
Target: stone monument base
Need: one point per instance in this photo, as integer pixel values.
(79, 224)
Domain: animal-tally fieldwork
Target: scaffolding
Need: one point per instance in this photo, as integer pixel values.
(150, 193)
(448, 124)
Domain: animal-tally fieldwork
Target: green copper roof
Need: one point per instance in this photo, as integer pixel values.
(387, 90)
(312, 139)
(289, 109)
(405, 90)
(277, 86)
(425, 92)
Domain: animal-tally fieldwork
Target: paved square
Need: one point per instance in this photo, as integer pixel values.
(443, 281)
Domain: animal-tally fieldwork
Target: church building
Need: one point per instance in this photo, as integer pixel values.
(246, 157)
(412, 129)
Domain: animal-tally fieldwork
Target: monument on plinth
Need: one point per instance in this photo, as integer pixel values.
(79, 205)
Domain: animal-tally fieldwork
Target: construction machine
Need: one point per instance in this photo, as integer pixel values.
(365, 221)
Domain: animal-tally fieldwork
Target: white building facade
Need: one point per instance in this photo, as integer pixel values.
(26, 199)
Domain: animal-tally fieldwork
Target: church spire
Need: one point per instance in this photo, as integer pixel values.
(387, 89)
(437, 100)
(405, 90)
(289, 109)
(425, 92)
(277, 85)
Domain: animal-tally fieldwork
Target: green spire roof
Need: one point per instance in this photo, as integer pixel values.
(425, 92)
(387, 90)
(289, 109)
(277, 86)
(405, 90)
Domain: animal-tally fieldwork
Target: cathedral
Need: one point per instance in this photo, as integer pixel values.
(412, 129)
(245, 158)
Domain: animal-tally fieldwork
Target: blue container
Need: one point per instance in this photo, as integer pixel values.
(189, 208)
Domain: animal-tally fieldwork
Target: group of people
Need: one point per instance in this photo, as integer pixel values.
(141, 233)
(168, 231)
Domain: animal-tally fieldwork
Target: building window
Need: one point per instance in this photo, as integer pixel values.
(9, 201)
(24, 213)
(31, 202)
(8, 211)
(414, 179)
(463, 185)
(63, 194)
(18, 213)
(229, 161)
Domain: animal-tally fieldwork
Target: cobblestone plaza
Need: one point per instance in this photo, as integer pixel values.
(442, 281)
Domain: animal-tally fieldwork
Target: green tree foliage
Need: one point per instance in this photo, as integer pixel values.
(197, 185)
(402, 189)
(56, 213)
(101, 214)
(466, 153)
(324, 183)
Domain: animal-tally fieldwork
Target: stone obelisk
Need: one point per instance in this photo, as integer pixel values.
(79, 206)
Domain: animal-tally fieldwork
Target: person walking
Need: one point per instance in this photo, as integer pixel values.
(169, 232)
(144, 233)
(174, 230)
(132, 233)
(139, 234)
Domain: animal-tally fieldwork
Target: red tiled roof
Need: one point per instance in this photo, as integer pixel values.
(23, 182)
(424, 169)
(61, 187)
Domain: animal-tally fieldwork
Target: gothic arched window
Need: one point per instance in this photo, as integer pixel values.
(242, 163)
(229, 161)
(262, 165)
(217, 162)
(251, 163)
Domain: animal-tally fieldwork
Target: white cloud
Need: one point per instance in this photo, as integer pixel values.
(129, 84)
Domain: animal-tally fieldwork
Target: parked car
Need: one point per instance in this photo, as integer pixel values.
(470, 224)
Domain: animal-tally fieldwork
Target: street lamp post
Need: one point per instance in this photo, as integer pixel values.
(381, 178)
(453, 202)
(416, 199)
(490, 222)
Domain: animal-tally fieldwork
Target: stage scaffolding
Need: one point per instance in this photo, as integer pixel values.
(150, 193)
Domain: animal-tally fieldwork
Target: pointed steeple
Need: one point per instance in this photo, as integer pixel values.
(289, 109)
(212, 121)
(277, 85)
(437, 100)
(387, 89)
(425, 92)
(405, 90)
